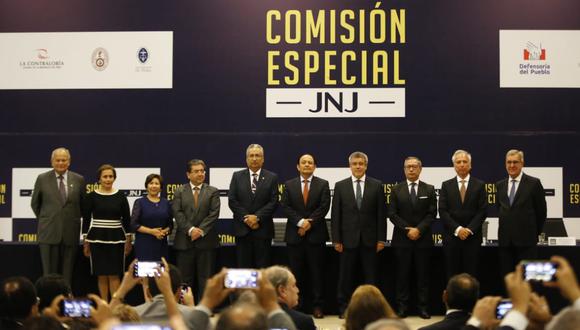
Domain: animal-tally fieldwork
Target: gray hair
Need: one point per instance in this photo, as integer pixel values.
(387, 324)
(513, 152)
(254, 146)
(413, 158)
(278, 276)
(358, 154)
(460, 152)
(59, 150)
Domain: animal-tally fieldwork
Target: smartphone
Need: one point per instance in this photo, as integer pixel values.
(140, 326)
(148, 268)
(539, 270)
(241, 279)
(504, 306)
(78, 307)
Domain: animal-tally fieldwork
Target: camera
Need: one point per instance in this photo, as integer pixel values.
(80, 307)
(504, 306)
(241, 279)
(148, 268)
(539, 270)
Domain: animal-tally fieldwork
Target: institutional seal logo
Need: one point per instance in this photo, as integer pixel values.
(143, 55)
(100, 59)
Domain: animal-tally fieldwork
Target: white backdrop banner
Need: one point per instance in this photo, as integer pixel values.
(539, 58)
(86, 60)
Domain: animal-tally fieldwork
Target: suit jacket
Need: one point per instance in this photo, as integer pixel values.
(469, 214)
(316, 209)
(452, 321)
(58, 222)
(156, 311)
(521, 223)
(351, 226)
(202, 217)
(301, 320)
(263, 203)
(403, 213)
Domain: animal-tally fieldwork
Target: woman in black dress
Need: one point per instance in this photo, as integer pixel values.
(107, 238)
(152, 221)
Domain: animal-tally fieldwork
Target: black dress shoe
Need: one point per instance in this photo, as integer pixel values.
(402, 313)
(341, 315)
(317, 313)
(424, 314)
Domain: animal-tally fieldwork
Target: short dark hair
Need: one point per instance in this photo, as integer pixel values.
(106, 167)
(174, 275)
(152, 176)
(462, 292)
(229, 319)
(314, 159)
(49, 287)
(17, 297)
(194, 162)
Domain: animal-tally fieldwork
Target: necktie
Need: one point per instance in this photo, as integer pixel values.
(413, 193)
(195, 196)
(305, 192)
(512, 192)
(358, 195)
(61, 188)
(254, 182)
(462, 191)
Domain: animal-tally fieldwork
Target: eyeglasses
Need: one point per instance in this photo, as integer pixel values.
(198, 171)
(411, 166)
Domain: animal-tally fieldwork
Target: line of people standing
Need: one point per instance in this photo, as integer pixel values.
(358, 221)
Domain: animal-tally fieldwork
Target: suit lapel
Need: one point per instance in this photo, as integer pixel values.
(521, 186)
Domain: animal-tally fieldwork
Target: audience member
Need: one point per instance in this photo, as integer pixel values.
(49, 287)
(18, 302)
(367, 305)
(284, 283)
(459, 297)
(388, 324)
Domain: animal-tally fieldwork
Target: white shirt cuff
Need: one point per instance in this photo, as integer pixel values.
(300, 223)
(473, 321)
(515, 319)
(576, 304)
(456, 233)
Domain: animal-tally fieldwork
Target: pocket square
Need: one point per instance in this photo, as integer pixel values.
(423, 197)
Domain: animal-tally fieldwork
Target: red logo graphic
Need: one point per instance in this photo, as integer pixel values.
(534, 53)
(42, 53)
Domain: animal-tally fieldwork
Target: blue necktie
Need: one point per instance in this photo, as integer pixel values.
(512, 192)
(358, 194)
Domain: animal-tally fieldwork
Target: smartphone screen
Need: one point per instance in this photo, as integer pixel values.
(504, 306)
(241, 279)
(76, 307)
(148, 268)
(539, 270)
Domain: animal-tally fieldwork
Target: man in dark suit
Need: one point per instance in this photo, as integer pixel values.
(253, 197)
(459, 297)
(284, 283)
(56, 202)
(412, 210)
(462, 208)
(358, 226)
(522, 212)
(196, 207)
(306, 200)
